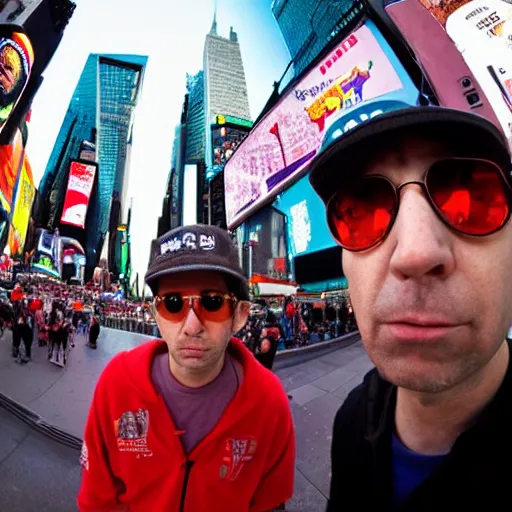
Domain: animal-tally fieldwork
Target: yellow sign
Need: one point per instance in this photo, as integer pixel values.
(21, 209)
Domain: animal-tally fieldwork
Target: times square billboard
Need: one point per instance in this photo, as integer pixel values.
(465, 51)
(78, 193)
(227, 133)
(361, 68)
(482, 31)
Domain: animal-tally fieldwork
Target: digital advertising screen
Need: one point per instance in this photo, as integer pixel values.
(307, 225)
(482, 32)
(16, 58)
(225, 140)
(11, 161)
(25, 192)
(361, 68)
(48, 254)
(78, 193)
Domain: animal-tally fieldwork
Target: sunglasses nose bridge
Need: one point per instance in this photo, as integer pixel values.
(421, 184)
(423, 188)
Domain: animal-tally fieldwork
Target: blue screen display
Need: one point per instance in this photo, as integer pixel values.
(306, 222)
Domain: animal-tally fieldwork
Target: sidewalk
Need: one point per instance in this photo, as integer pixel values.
(61, 396)
(318, 388)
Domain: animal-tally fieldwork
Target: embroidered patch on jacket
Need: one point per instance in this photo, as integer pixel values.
(132, 432)
(84, 457)
(238, 452)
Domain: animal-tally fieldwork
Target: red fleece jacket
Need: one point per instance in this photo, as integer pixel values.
(133, 460)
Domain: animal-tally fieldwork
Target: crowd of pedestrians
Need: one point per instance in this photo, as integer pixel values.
(45, 312)
(294, 323)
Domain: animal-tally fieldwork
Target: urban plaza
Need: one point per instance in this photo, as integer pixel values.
(255, 255)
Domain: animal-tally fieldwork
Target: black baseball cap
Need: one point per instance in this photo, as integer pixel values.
(197, 247)
(342, 154)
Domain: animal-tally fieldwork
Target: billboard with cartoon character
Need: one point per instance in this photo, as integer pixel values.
(361, 68)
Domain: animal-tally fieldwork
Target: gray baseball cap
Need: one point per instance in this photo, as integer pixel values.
(197, 247)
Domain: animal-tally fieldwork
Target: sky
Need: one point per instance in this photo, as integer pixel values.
(172, 34)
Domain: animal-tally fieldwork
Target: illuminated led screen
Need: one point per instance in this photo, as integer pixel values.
(361, 68)
(80, 183)
(482, 31)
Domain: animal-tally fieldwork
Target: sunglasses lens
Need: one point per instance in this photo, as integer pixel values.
(212, 303)
(471, 195)
(212, 307)
(360, 216)
(173, 304)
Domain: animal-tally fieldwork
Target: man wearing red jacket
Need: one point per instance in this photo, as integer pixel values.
(192, 423)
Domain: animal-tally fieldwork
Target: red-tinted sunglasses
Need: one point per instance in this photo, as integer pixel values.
(209, 306)
(471, 196)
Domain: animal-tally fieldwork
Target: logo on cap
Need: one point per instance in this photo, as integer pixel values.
(188, 241)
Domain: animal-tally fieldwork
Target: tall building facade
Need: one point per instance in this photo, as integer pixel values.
(308, 25)
(225, 84)
(195, 118)
(215, 119)
(97, 128)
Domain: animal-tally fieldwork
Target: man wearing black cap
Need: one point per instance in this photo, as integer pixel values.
(193, 422)
(420, 201)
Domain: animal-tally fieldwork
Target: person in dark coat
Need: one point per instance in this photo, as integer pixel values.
(270, 336)
(94, 332)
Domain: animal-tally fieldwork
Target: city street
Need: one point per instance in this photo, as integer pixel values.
(37, 473)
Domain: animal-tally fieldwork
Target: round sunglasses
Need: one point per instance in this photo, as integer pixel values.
(209, 306)
(471, 196)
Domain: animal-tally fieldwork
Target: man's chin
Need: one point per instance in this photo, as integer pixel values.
(421, 378)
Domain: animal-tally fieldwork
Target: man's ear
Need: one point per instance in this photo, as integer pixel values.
(241, 315)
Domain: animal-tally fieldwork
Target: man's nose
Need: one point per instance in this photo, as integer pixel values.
(192, 325)
(423, 244)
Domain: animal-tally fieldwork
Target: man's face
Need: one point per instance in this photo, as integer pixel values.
(432, 306)
(194, 345)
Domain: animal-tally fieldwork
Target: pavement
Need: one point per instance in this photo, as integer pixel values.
(39, 474)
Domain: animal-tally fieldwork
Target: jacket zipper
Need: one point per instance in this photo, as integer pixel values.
(188, 467)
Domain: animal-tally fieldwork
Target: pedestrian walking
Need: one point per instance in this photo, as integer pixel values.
(94, 332)
(420, 201)
(193, 421)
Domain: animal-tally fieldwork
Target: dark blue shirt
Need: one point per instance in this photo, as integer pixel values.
(410, 469)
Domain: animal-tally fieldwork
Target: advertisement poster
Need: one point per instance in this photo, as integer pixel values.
(11, 160)
(361, 68)
(48, 254)
(307, 228)
(80, 183)
(22, 208)
(16, 57)
(482, 32)
(225, 140)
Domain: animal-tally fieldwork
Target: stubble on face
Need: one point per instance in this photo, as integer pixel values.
(473, 290)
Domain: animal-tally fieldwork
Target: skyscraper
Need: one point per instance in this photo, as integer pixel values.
(225, 85)
(97, 128)
(195, 118)
(308, 25)
(215, 119)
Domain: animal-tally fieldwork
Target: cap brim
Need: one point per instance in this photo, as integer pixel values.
(346, 155)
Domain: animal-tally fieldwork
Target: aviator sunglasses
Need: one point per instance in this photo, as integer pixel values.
(469, 195)
(209, 306)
